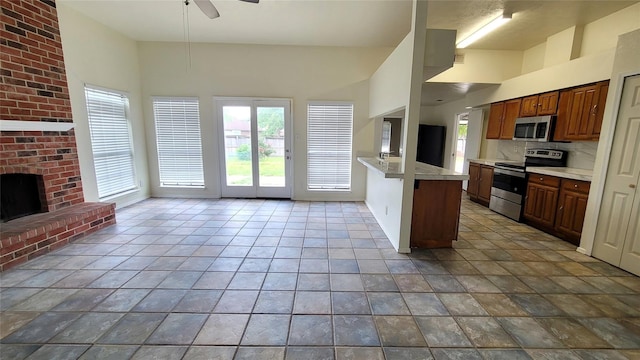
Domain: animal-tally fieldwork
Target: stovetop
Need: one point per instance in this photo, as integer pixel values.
(537, 157)
(515, 165)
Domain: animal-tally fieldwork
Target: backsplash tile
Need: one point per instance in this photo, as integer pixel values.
(582, 154)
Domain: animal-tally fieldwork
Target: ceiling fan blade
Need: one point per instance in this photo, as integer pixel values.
(207, 8)
(251, 1)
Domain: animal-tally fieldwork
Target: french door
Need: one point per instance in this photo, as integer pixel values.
(255, 143)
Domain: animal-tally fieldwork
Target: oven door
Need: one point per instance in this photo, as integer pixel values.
(509, 184)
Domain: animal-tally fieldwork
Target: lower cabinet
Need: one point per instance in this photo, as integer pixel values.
(480, 181)
(436, 213)
(572, 205)
(541, 200)
(556, 206)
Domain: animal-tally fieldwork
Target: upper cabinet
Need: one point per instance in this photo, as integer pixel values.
(582, 111)
(538, 105)
(502, 119)
(579, 112)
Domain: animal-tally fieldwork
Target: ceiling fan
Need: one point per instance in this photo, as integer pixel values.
(209, 9)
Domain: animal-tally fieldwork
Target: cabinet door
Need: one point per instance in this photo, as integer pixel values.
(572, 207)
(602, 100)
(562, 120)
(474, 180)
(486, 180)
(511, 112)
(496, 112)
(540, 204)
(529, 106)
(582, 112)
(547, 103)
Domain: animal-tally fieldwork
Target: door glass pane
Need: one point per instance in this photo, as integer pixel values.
(461, 144)
(237, 145)
(271, 149)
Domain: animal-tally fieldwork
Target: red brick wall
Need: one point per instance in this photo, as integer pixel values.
(33, 87)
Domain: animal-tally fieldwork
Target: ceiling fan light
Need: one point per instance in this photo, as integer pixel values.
(494, 24)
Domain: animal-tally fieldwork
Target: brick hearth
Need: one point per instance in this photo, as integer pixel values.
(33, 87)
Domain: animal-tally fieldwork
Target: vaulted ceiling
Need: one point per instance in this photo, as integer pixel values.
(359, 23)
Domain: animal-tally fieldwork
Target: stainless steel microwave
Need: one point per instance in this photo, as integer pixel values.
(535, 128)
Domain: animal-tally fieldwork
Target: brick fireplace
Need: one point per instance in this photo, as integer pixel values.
(37, 137)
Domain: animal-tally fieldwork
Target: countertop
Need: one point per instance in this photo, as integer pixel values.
(490, 162)
(392, 169)
(562, 172)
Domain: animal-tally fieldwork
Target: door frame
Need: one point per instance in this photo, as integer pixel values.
(254, 191)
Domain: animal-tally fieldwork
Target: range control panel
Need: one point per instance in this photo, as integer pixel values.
(546, 153)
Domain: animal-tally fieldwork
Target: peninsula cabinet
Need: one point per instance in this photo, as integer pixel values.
(436, 213)
(581, 111)
(539, 105)
(480, 181)
(502, 119)
(541, 200)
(572, 206)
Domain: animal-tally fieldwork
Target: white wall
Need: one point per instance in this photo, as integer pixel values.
(96, 55)
(384, 199)
(533, 58)
(602, 34)
(390, 85)
(483, 66)
(562, 47)
(300, 73)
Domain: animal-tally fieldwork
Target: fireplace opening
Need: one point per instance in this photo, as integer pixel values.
(20, 195)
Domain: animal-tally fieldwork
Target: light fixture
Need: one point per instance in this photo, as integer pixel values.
(494, 24)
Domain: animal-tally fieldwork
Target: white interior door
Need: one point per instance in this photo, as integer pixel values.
(617, 236)
(255, 145)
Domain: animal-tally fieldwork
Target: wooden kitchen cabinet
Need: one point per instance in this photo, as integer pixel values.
(572, 206)
(480, 181)
(539, 105)
(541, 200)
(548, 103)
(502, 119)
(474, 180)
(529, 106)
(582, 112)
(436, 213)
(511, 112)
(496, 112)
(602, 101)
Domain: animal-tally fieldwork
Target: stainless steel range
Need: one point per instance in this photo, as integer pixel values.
(510, 180)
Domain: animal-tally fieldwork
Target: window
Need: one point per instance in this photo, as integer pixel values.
(110, 141)
(178, 141)
(329, 133)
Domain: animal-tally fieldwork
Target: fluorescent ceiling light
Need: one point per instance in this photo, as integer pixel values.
(494, 24)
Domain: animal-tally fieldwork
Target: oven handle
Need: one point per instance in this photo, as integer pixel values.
(509, 172)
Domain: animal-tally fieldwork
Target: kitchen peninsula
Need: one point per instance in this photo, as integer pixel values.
(436, 201)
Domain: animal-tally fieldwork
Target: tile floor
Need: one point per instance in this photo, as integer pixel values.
(253, 279)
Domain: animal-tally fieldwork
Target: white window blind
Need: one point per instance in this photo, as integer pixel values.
(329, 133)
(110, 141)
(178, 141)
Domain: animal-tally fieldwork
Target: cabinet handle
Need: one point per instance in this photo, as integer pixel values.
(541, 179)
(561, 207)
(575, 186)
(593, 112)
(633, 186)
